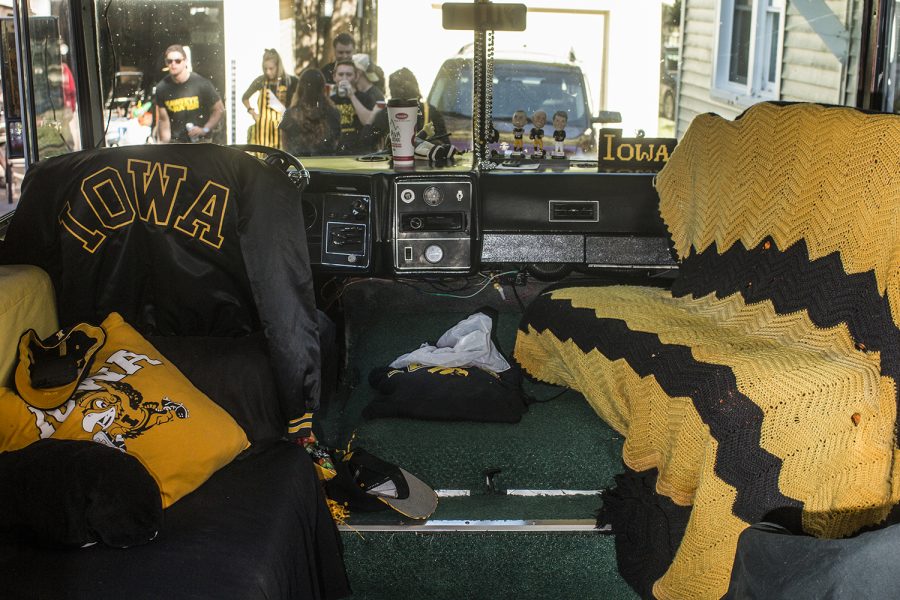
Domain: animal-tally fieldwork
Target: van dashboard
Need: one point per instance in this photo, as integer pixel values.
(367, 219)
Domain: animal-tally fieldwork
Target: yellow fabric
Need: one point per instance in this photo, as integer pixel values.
(265, 131)
(137, 401)
(26, 302)
(829, 175)
(808, 382)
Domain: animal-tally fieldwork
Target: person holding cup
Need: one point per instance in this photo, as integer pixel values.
(355, 108)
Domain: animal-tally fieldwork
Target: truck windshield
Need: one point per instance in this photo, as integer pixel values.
(657, 63)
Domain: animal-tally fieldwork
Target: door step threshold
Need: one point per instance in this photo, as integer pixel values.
(478, 526)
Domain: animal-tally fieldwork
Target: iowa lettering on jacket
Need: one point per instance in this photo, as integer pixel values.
(152, 195)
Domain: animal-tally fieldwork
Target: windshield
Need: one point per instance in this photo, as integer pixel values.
(314, 76)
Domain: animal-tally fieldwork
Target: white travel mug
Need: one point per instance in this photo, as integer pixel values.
(402, 118)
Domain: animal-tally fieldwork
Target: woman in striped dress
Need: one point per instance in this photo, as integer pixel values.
(275, 92)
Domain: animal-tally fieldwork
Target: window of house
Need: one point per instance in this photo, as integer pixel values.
(748, 50)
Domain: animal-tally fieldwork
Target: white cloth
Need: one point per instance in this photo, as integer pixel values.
(274, 103)
(468, 343)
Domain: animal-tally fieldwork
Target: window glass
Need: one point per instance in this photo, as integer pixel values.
(892, 61)
(751, 37)
(773, 20)
(644, 66)
(11, 132)
(740, 41)
(55, 98)
(133, 36)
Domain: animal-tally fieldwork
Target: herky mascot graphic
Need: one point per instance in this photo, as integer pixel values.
(117, 412)
(111, 409)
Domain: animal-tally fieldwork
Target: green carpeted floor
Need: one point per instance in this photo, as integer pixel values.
(489, 566)
(559, 444)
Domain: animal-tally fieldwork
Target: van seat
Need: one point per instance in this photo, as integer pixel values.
(765, 381)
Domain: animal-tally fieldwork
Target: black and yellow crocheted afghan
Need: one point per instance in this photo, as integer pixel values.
(766, 379)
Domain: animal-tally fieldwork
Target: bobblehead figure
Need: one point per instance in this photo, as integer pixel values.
(560, 118)
(539, 119)
(519, 119)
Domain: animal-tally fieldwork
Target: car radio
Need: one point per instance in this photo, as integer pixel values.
(432, 224)
(436, 222)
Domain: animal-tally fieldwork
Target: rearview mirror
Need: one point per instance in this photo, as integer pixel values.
(483, 17)
(607, 116)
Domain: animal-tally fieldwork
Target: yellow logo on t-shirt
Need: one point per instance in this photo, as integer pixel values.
(182, 104)
(348, 113)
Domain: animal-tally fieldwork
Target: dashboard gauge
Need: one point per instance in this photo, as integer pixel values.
(434, 254)
(432, 196)
(407, 195)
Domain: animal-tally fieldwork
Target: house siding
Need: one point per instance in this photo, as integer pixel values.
(809, 72)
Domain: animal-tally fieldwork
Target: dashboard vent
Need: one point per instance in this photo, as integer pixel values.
(585, 211)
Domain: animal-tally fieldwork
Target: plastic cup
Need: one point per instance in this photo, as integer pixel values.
(402, 119)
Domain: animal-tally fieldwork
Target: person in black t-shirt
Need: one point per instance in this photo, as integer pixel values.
(355, 108)
(344, 49)
(430, 124)
(367, 80)
(186, 99)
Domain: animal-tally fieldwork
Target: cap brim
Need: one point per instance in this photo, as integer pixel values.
(421, 502)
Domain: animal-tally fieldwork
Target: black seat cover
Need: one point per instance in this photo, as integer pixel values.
(190, 240)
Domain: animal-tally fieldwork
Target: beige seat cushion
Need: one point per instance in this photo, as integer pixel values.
(26, 302)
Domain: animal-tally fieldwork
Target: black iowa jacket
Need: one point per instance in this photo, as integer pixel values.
(190, 240)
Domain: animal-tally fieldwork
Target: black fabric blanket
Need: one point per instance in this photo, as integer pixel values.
(257, 529)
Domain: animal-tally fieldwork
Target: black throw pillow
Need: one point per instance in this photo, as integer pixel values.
(447, 394)
(71, 493)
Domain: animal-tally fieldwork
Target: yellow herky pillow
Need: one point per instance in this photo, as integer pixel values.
(135, 400)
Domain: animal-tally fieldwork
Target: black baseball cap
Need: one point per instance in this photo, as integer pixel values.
(375, 481)
(49, 370)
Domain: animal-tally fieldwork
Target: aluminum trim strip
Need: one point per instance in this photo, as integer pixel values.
(451, 493)
(475, 526)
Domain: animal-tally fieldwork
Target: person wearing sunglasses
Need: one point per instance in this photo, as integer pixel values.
(189, 105)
